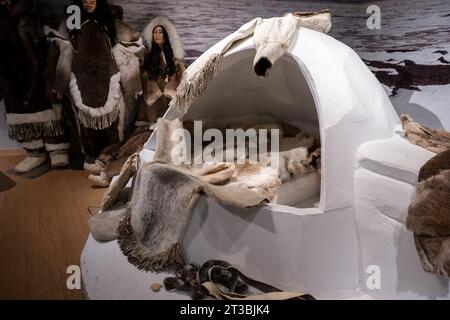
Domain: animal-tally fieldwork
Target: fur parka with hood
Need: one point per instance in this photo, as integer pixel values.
(98, 104)
(152, 92)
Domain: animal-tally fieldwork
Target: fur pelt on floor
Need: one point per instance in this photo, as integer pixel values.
(163, 198)
(429, 215)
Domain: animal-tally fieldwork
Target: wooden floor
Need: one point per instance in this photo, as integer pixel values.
(43, 228)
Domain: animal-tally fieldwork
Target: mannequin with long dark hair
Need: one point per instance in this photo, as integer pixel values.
(153, 58)
(162, 70)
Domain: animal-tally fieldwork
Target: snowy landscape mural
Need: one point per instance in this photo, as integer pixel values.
(410, 53)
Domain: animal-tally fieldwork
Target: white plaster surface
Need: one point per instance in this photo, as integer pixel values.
(396, 158)
(305, 250)
(385, 183)
(381, 204)
(107, 275)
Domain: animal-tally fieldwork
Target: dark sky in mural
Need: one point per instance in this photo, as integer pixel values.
(201, 23)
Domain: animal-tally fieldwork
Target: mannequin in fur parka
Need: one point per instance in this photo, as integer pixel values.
(163, 68)
(97, 66)
(33, 120)
(161, 74)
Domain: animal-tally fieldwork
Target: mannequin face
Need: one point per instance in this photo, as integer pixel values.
(89, 5)
(158, 36)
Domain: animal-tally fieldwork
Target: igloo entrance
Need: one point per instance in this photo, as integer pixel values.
(237, 93)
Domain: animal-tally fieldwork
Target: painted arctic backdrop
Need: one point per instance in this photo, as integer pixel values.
(410, 54)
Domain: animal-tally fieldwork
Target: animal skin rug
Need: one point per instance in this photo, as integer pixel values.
(429, 215)
(163, 198)
(152, 225)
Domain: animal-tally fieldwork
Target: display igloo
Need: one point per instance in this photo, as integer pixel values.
(329, 244)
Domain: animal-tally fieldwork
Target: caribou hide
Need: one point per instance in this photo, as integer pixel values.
(429, 215)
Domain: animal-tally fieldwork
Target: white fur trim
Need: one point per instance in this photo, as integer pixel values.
(128, 61)
(33, 145)
(128, 56)
(14, 119)
(64, 63)
(175, 41)
(57, 147)
(98, 118)
(134, 46)
(124, 53)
